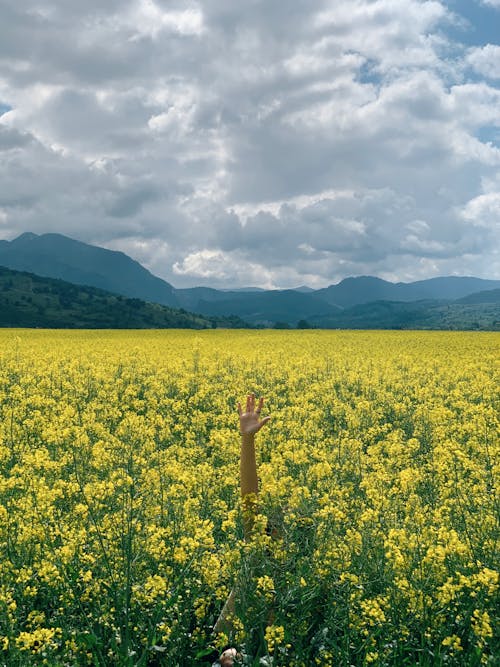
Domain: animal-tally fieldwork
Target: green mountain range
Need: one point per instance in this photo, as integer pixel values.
(358, 302)
(58, 256)
(28, 300)
(427, 314)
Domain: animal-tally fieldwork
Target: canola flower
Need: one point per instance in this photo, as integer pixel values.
(121, 526)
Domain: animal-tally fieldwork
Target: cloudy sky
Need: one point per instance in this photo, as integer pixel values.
(263, 142)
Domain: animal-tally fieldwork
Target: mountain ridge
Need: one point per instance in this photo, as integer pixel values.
(365, 289)
(58, 256)
(29, 300)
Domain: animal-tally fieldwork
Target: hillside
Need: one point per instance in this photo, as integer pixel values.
(427, 314)
(266, 308)
(366, 289)
(443, 302)
(487, 296)
(28, 300)
(58, 256)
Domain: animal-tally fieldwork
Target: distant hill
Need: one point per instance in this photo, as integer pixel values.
(488, 296)
(349, 309)
(267, 308)
(453, 287)
(427, 314)
(304, 288)
(242, 289)
(191, 297)
(57, 256)
(28, 300)
(365, 289)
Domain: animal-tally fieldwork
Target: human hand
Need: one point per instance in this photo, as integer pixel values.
(250, 421)
(228, 657)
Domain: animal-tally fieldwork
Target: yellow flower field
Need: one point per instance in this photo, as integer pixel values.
(120, 520)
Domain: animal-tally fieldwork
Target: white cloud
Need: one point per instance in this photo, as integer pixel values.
(394, 34)
(486, 60)
(220, 268)
(147, 18)
(484, 211)
(252, 142)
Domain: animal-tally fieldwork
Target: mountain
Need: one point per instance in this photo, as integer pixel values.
(57, 256)
(242, 289)
(28, 300)
(258, 307)
(191, 297)
(427, 314)
(365, 289)
(453, 287)
(488, 296)
(304, 288)
(324, 307)
(266, 308)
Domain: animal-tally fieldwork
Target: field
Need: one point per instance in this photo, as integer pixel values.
(120, 519)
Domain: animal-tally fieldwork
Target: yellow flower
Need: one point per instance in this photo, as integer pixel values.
(39, 640)
(481, 624)
(265, 587)
(453, 642)
(274, 636)
(120, 508)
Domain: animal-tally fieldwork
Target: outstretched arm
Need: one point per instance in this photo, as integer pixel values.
(250, 424)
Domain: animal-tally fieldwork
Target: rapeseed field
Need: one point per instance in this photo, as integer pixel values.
(121, 533)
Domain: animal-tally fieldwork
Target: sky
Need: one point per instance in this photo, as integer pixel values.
(273, 143)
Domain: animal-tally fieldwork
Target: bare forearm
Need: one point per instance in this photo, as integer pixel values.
(249, 482)
(250, 424)
(248, 466)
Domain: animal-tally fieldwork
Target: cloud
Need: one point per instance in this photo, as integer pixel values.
(10, 139)
(484, 211)
(485, 60)
(219, 268)
(234, 143)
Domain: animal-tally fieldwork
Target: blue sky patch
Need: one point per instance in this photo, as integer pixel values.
(4, 108)
(482, 23)
(489, 133)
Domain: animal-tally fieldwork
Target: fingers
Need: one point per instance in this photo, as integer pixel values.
(228, 657)
(250, 402)
(264, 421)
(250, 405)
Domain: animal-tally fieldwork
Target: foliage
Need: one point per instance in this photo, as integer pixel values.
(376, 541)
(28, 300)
(59, 256)
(430, 314)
